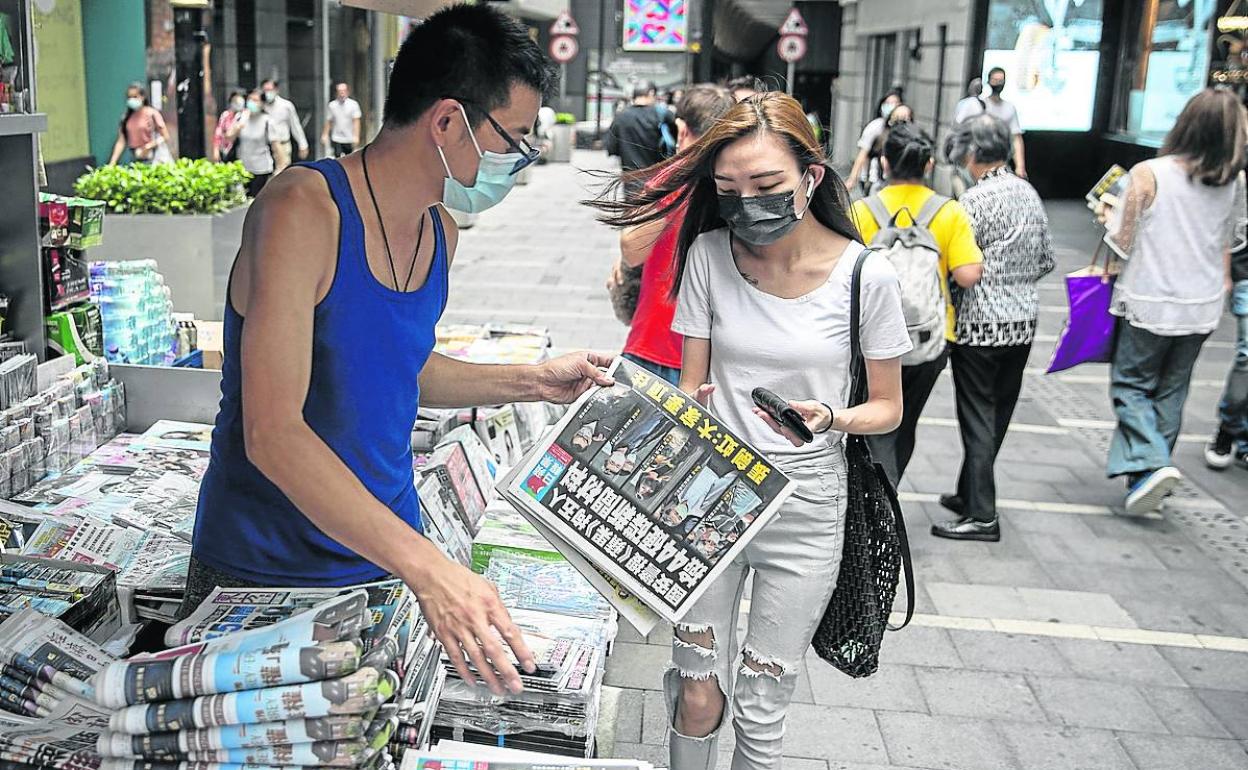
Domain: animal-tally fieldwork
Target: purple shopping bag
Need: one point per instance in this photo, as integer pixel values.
(1089, 333)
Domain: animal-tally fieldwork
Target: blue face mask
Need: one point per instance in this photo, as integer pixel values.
(494, 178)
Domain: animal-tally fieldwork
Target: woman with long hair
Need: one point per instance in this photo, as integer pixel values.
(142, 130)
(1180, 215)
(763, 270)
(253, 134)
(866, 169)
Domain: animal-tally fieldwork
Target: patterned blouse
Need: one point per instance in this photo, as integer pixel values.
(1012, 230)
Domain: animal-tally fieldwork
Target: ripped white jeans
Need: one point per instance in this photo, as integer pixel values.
(795, 560)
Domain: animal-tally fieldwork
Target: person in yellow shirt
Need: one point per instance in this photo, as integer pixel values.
(906, 162)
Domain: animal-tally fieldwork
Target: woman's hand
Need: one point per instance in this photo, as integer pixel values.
(816, 416)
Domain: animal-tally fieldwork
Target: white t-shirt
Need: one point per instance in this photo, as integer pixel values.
(342, 117)
(998, 108)
(797, 348)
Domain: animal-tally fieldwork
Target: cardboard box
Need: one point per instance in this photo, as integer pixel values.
(211, 340)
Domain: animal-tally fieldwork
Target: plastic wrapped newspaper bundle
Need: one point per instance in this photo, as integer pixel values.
(457, 755)
(646, 485)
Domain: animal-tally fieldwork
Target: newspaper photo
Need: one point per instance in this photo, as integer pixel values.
(251, 618)
(650, 487)
(51, 654)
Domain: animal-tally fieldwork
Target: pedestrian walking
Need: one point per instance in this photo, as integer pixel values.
(287, 127)
(329, 336)
(142, 130)
(930, 240)
(341, 134)
(652, 247)
(865, 171)
(1179, 218)
(995, 323)
(763, 273)
(223, 150)
(636, 133)
(255, 137)
(994, 105)
(1230, 443)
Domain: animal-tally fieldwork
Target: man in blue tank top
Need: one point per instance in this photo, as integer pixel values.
(329, 331)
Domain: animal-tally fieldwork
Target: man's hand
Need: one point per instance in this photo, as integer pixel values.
(303, 152)
(562, 380)
(467, 616)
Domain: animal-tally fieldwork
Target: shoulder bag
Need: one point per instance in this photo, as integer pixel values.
(876, 548)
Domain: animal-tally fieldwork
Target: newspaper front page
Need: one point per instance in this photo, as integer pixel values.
(650, 487)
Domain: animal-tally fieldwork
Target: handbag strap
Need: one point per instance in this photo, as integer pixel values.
(858, 395)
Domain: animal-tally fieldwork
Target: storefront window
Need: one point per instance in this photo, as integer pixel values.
(1167, 63)
(1050, 51)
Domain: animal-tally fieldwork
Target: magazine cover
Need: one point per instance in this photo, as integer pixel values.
(648, 485)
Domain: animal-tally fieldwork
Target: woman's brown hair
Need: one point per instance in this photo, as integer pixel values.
(1210, 135)
(687, 179)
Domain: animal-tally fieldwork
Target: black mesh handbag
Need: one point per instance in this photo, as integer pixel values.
(876, 549)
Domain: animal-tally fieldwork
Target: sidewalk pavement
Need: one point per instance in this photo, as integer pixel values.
(1084, 639)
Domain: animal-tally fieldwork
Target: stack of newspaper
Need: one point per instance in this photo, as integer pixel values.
(456, 755)
(129, 506)
(394, 625)
(312, 689)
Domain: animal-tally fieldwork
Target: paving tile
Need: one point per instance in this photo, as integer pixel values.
(654, 718)
(1061, 548)
(893, 688)
(1183, 712)
(1054, 747)
(944, 742)
(1194, 586)
(1105, 705)
(628, 715)
(655, 755)
(1210, 669)
(1170, 752)
(1001, 571)
(984, 694)
(804, 763)
(980, 601)
(1118, 662)
(919, 646)
(639, 666)
(1231, 708)
(1184, 617)
(829, 732)
(992, 651)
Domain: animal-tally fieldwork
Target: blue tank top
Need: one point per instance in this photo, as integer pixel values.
(369, 343)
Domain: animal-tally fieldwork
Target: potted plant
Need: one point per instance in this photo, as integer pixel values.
(562, 138)
(187, 215)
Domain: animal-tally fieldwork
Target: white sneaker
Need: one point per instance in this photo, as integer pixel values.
(1149, 492)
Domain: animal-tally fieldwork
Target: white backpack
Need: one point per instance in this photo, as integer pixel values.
(913, 252)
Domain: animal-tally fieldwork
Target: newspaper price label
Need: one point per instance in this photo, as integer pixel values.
(791, 48)
(563, 48)
(564, 24)
(794, 24)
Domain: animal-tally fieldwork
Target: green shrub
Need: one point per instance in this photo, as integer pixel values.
(564, 118)
(183, 187)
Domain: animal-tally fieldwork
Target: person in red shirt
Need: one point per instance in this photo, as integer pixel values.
(651, 342)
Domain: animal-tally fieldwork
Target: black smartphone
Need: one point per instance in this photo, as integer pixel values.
(782, 413)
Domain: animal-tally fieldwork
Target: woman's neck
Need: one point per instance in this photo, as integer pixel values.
(790, 251)
(898, 182)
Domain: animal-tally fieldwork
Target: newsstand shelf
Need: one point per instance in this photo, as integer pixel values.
(14, 124)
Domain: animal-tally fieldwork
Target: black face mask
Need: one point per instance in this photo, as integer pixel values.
(997, 88)
(761, 220)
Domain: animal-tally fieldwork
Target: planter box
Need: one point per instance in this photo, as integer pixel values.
(194, 252)
(562, 139)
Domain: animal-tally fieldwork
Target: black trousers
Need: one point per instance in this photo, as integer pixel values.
(893, 450)
(342, 148)
(988, 381)
(256, 184)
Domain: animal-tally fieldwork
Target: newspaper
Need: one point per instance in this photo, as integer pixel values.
(177, 744)
(51, 652)
(647, 485)
(126, 683)
(357, 693)
(66, 740)
(235, 619)
(1110, 188)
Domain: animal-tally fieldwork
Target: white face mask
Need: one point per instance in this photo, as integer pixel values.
(494, 178)
(886, 109)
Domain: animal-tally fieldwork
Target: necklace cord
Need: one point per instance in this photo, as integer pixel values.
(420, 233)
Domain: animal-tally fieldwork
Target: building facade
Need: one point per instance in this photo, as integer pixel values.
(1095, 81)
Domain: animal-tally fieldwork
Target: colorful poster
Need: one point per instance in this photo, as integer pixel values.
(656, 25)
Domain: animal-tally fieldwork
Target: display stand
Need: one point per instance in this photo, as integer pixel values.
(21, 267)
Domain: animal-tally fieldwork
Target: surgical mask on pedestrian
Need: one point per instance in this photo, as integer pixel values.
(997, 88)
(253, 105)
(494, 178)
(237, 105)
(761, 220)
(133, 103)
(886, 109)
(269, 96)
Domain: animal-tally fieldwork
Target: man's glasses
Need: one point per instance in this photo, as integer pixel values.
(528, 152)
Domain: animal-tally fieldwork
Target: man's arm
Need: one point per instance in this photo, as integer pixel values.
(355, 131)
(325, 133)
(1020, 158)
(449, 382)
(285, 267)
(296, 129)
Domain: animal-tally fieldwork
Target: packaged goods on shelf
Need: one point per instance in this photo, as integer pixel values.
(83, 596)
(74, 222)
(505, 531)
(137, 312)
(443, 526)
(78, 332)
(497, 428)
(459, 485)
(66, 276)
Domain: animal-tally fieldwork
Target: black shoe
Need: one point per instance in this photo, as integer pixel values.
(953, 503)
(1220, 453)
(967, 528)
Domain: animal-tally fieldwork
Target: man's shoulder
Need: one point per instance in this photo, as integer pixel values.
(299, 196)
